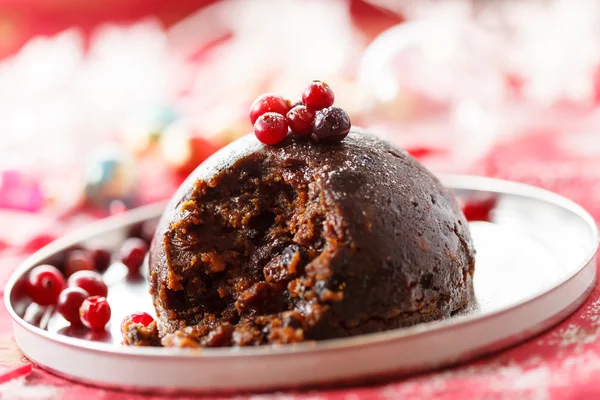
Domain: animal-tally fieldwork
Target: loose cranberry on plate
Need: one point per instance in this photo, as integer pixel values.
(331, 124)
(318, 95)
(102, 258)
(300, 120)
(133, 251)
(479, 209)
(136, 318)
(90, 281)
(271, 128)
(78, 260)
(95, 312)
(44, 284)
(268, 103)
(69, 302)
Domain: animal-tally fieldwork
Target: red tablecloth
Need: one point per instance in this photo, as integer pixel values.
(561, 363)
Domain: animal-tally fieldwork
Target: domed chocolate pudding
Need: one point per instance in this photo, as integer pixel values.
(305, 241)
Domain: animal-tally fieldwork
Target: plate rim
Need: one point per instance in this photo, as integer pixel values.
(459, 182)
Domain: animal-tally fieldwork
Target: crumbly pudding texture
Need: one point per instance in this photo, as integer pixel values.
(273, 245)
(259, 240)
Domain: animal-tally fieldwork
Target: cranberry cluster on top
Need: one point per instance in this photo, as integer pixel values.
(314, 116)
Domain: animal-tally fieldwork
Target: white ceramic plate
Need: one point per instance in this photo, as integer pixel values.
(535, 265)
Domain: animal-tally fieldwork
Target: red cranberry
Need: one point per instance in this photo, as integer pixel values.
(271, 128)
(69, 302)
(331, 125)
(318, 95)
(300, 119)
(78, 260)
(144, 230)
(136, 318)
(479, 209)
(59, 259)
(44, 284)
(90, 281)
(133, 252)
(95, 312)
(101, 259)
(135, 230)
(268, 103)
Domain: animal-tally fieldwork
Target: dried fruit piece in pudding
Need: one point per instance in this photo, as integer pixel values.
(137, 334)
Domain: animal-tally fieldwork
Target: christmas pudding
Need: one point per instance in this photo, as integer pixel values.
(278, 239)
(302, 241)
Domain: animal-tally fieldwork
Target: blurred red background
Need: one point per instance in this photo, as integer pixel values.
(20, 20)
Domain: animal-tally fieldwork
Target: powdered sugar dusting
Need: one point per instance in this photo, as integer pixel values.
(570, 335)
(582, 330)
(19, 389)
